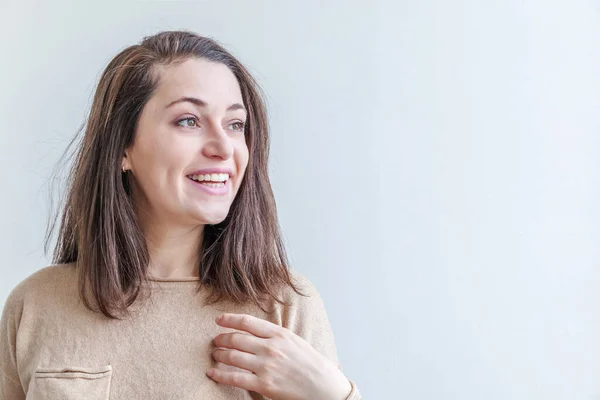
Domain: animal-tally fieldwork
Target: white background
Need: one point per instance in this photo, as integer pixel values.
(435, 163)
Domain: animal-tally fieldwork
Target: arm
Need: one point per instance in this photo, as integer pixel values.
(10, 386)
(307, 317)
(10, 390)
(292, 357)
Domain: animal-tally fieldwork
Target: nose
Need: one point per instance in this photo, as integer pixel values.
(218, 144)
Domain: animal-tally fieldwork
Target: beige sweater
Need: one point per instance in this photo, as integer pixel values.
(52, 347)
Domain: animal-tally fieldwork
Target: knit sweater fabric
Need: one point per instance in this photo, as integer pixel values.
(53, 347)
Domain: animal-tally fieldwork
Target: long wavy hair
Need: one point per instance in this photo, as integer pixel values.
(242, 259)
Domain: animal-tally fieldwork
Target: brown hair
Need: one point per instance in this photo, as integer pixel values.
(242, 259)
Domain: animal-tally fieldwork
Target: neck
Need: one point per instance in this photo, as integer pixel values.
(173, 247)
(174, 250)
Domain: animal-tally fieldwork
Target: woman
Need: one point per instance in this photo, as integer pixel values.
(170, 222)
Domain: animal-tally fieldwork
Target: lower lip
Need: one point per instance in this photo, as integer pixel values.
(217, 191)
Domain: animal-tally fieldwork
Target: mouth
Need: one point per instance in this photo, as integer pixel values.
(210, 181)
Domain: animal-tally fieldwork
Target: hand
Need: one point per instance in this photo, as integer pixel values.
(280, 364)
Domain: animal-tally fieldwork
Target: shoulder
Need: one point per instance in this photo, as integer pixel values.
(306, 310)
(310, 294)
(305, 284)
(40, 286)
(307, 316)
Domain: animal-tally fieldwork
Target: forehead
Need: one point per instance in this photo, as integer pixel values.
(211, 81)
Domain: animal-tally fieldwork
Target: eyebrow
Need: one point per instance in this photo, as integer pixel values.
(201, 103)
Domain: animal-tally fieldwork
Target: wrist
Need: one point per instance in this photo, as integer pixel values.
(343, 388)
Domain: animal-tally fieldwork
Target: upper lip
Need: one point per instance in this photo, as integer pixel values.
(212, 171)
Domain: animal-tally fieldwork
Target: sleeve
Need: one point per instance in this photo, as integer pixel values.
(308, 319)
(10, 386)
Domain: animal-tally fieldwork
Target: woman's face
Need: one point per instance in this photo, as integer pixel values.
(190, 154)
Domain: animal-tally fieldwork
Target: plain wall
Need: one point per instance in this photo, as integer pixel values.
(435, 165)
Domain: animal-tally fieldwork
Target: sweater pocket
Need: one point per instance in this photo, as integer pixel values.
(71, 383)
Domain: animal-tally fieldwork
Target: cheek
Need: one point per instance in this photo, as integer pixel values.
(158, 153)
(156, 163)
(242, 157)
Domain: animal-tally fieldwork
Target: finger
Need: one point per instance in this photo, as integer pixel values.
(238, 379)
(236, 358)
(249, 323)
(239, 341)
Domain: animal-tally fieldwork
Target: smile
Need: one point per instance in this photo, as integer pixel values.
(210, 178)
(216, 184)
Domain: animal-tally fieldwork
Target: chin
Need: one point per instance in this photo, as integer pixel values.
(213, 218)
(213, 221)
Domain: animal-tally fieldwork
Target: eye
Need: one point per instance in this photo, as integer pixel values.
(189, 122)
(238, 126)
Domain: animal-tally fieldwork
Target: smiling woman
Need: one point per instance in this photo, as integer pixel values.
(169, 200)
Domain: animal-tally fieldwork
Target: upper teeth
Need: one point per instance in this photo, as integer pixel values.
(210, 177)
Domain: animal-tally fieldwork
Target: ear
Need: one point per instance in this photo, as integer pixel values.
(125, 162)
